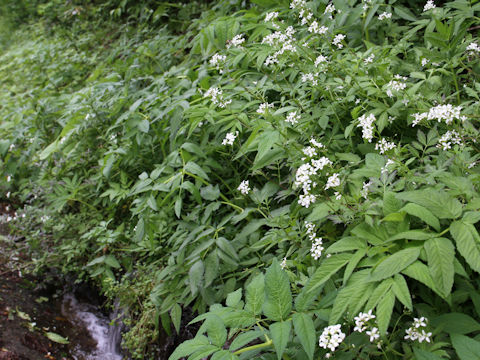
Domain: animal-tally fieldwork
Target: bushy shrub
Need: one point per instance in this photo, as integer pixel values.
(321, 156)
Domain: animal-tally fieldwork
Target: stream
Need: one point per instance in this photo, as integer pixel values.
(102, 340)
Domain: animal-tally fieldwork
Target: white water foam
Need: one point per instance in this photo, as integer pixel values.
(98, 326)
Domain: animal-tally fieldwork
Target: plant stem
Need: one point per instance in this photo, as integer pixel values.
(254, 347)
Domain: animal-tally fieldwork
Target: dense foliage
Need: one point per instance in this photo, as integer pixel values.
(302, 175)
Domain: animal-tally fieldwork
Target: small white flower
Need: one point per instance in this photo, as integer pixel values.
(9, 178)
(218, 60)
(271, 16)
(333, 181)
(337, 40)
(230, 138)
(365, 189)
(237, 41)
(383, 146)
(425, 61)
(338, 196)
(397, 84)
(244, 187)
(315, 28)
(448, 139)
(292, 118)
(384, 15)
(263, 108)
(283, 264)
(473, 48)
(329, 9)
(369, 59)
(320, 60)
(429, 5)
(374, 335)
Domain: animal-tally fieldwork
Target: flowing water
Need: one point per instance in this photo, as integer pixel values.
(102, 340)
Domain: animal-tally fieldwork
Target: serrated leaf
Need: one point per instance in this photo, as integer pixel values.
(440, 256)
(255, 294)
(419, 271)
(466, 348)
(278, 296)
(233, 299)
(384, 311)
(422, 213)
(327, 268)
(245, 338)
(217, 333)
(189, 347)
(195, 169)
(401, 291)
(195, 276)
(466, 239)
(457, 323)
(176, 316)
(395, 263)
(280, 332)
(305, 331)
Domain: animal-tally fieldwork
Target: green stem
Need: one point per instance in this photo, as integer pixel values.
(254, 347)
(456, 84)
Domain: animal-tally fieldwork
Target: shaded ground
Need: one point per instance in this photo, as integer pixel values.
(30, 312)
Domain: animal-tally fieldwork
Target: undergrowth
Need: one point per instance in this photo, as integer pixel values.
(302, 175)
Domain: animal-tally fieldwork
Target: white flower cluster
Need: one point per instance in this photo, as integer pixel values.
(384, 15)
(217, 97)
(237, 41)
(383, 146)
(230, 138)
(366, 123)
(365, 5)
(369, 59)
(303, 178)
(440, 113)
(331, 337)
(365, 189)
(317, 248)
(448, 139)
(263, 108)
(337, 40)
(429, 5)
(425, 61)
(315, 28)
(310, 77)
(244, 187)
(271, 16)
(384, 170)
(397, 84)
(218, 60)
(361, 320)
(320, 60)
(304, 14)
(292, 117)
(417, 331)
(473, 48)
(284, 40)
(333, 181)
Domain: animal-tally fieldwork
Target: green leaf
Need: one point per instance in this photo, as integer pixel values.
(440, 255)
(467, 241)
(305, 331)
(395, 263)
(216, 330)
(319, 212)
(233, 299)
(49, 150)
(404, 13)
(425, 355)
(227, 247)
(280, 332)
(379, 293)
(224, 355)
(255, 294)
(189, 347)
(56, 338)
(439, 203)
(195, 276)
(111, 261)
(352, 264)
(420, 272)
(245, 338)
(278, 296)
(144, 126)
(390, 203)
(195, 169)
(466, 348)
(401, 291)
(176, 316)
(327, 268)
(422, 213)
(384, 311)
(210, 192)
(457, 323)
